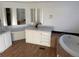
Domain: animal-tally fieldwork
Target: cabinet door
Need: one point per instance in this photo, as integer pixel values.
(36, 37)
(27, 36)
(7, 38)
(33, 36)
(2, 44)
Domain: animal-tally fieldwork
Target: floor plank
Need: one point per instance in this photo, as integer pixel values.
(22, 49)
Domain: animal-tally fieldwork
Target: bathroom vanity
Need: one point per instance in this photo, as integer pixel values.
(18, 32)
(40, 36)
(5, 40)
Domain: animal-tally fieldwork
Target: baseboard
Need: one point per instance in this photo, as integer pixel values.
(77, 34)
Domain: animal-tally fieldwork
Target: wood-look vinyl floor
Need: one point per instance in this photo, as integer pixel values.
(22, 49)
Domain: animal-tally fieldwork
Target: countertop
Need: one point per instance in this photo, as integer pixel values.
(40, 28)
(26, 27)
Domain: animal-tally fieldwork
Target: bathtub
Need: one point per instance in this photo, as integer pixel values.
(70, 44)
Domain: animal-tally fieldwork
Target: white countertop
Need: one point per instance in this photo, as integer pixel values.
(28, 27)
(41, 28)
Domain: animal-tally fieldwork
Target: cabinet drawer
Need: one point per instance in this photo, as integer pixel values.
(45, 39)
(45, 43)
(46, 33)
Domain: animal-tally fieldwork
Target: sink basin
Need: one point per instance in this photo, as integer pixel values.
(70, 44)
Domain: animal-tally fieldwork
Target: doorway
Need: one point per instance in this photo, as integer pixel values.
(8, 16)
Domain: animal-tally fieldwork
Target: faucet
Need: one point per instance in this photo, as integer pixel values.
(36, 26)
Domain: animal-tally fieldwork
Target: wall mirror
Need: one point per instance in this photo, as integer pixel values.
(36, 15)
(8, 16)
(21, 16)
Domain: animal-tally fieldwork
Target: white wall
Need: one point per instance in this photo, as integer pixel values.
(0, 12)
(0, 16)
(13, 6)
(65, 15)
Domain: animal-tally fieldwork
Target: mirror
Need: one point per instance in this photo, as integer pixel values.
(8, 16)
(36, 15)
(21, 16)
(33, 19)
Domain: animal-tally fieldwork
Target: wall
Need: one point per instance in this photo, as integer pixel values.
(0, 11)
(0, 15)
(65, 15)
(13, 6)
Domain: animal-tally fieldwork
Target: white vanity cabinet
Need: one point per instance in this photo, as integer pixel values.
(18, 35)
(5, 41)
(7, 37)
(2, 44)
(33, 36)
(38, 37)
